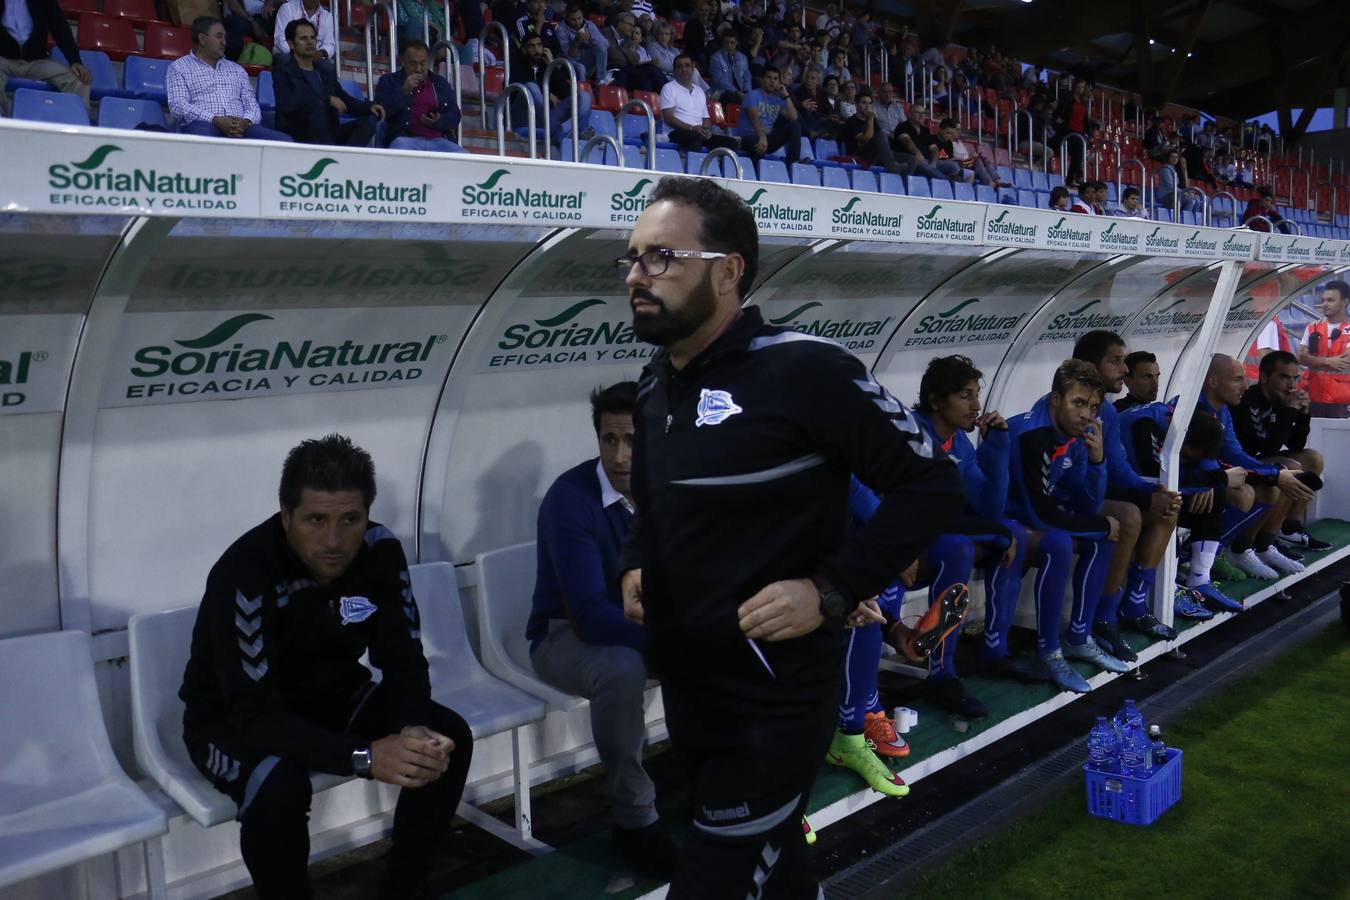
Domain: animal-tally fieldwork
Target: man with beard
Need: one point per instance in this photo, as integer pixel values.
(1142, 377)
(739, 565)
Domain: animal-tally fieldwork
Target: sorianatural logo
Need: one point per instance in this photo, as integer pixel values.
(1112, 239)
(14, 374)
(1242, 315)
(626, 206)
(933, 225)
(1157, 242)
(1323, 253)
(1168, 319)
(214, 363)
(780, 216)
(1019, 232)
(492, 199)
(95, 181)
(956, 326)
(1292, 250)
(854, 334)
(565, 339)
(316, 191)
(1197, 244)
(1064, 326)
(1238, 244)
(847, 220)
(1059, 234)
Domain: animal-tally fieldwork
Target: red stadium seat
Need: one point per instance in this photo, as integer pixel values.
(611, 98)
(733, 115)
(494, 81)
(114, 37)
(75, 8)
(164, 41)
(678, 27)
(142, 12)
(652, 100)
(359, 13)
(716, 114)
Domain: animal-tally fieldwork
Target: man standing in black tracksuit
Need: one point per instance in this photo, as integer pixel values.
(739, 564)
(275, 689)
(1272, 422)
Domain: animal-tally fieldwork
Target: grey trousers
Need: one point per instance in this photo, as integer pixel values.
(54, 73)
(613, 678)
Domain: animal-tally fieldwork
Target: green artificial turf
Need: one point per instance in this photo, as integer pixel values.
(1264, 812)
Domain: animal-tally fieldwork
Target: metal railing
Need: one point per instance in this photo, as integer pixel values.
(1015, 135)
(390, 11)
(599, 140)
(1097, 157)
(1269, 224)
(646, 110)
(909, 82)
(1064, 153)
(722, 151)
(451, 72)
(1232, 208)
(499, 112)
(572, 96)
(1317, 206)
(1204, 204)
(482, 64)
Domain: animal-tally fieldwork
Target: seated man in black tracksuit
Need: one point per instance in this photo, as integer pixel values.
(310, 99)
(1272, 422)
(274, 688)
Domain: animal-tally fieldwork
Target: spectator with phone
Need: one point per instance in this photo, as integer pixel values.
(419, 105)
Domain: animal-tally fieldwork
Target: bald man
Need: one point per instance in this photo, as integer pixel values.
(1276, 489)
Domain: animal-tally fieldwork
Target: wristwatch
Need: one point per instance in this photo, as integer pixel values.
(833, 605)
(361, 762)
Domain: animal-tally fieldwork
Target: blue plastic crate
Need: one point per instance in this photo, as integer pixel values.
(1135, 801)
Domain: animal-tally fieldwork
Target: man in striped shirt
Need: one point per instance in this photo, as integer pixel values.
(211, 96)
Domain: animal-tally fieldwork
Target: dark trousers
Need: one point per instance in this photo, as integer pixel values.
(273, 794)
(318, 125)
(785, 134)
(645, 77)
(692, 140)
(746, 836)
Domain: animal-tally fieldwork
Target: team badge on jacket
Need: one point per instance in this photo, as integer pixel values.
(715, 407)
(355, 609)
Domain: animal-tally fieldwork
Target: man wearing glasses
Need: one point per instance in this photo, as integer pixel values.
(1325, 350)
(738, 565)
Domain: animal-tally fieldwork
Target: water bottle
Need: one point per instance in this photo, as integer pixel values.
(1159, 748)
(1127, 714)
(1103, 746)
(1136, 754)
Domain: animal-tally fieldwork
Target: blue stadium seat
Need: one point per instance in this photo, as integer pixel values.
(1005, 174)
(634, 127)
(963, 190)
(1027, 197)
(774, 170)
(694, 162)
(1040, 180)
(633, 156)
(353, 87)
(834, 177)
(942, 189)
(1056, 180)
(985, 193)
(105, 82)
(1111, 191)
(807, 152)
(144, 78)
(747, 166)
(601, 154)
(864, 180)
(13, 83)
(669, 161)
(1007, 195)
(121, 112)
(1022, 179)
(267, 95)
(1162, 214)
(825, 148)
(50, 106)
(805, 173)
(918, 186)
(892, 184)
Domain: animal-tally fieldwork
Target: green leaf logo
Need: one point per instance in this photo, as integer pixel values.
(637, 188)
(1155, 231)
(1001, 216)
(1080, 310)
(1194, 236)
(222, 332)
(570, 313)
(1320, 245)
(754, 198)
(97, 157)
(1242, 304)
(932, 212)
(1173, 306)
(493, 179)
(852, 203)
(1060, 222)
(795, 313)
(1110, 228)
(317, 169)
(957, 308)
(1292, 245)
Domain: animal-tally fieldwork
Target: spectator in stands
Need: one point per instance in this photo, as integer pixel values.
(1142, 377)
(579, 39)
(1156, 142)
(729, 71)
(863, 138)
(889, 111)
(1273, 421)
(211, 96)
(529, 71)
(1086, 202)
(1130, 205)
(1263, 204)
(769, 120)
(1265, 140)
(700, 32)
(914, 144)
(1098, 198)
(627, 55)
(810, 100)
(310, 100)
(419, 104)
(1246, 174)
(1226, 170)
(247, 19)
(952, 149)
(1208, 138)
(317, 15)
(1173, 183)
(1071, 117)
(848, 99)
(1035, 146)
(275, 688)
(831, 112)
(1325, 350)
(838, 66)
(684, 106)
(785, 49)
(1059, 198)
(580, 641)
(26, 26)
(535, 17)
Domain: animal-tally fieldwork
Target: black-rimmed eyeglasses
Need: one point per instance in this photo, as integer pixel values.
(655, 262)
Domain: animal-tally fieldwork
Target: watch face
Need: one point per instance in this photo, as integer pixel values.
(834, 604)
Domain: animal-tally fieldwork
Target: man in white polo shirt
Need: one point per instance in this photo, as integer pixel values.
(684, 106)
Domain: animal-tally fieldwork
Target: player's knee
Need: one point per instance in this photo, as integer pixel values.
(1055, 546)
(954, 550)
(1311, 460)
(623, 673)
(282, 796)
(1241, 497)
(452, 725)
(1130, 522)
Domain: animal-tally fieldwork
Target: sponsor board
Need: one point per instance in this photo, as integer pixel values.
(1085, 315)
(1121, 235)
(1297, 248)
(35, 358)
(516, 194)
(1176, 315)
(1243, 316)
(782, 209)
(859, 327)
(1238, 244)
(561, 333)
(1327, 252)
(1014, 226)
(191, 357)
(626, 205)
(945, 222)
(967, 321)
(355, 186)
(868, 217)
